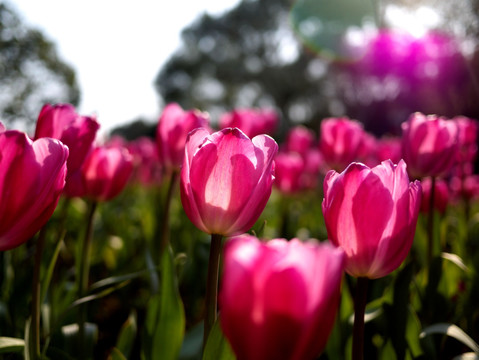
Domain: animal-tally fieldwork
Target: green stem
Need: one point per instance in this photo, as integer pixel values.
(430, 222)
(84, 274)
(360, 300)
(211, 298)
(165, 223)
(36, 286)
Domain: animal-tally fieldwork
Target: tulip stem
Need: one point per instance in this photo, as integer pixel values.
(360, 301)
(35, 325)
(430, 222)
(212, 285)
(83, 274)
(165, 224)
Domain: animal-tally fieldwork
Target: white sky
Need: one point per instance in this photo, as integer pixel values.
(116, 47)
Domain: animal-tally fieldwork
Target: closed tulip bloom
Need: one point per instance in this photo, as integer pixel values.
(279, 299)
(341, 142)
(288, 169)
(299, 139)
(106, 172)
(172, 131)
(371, 213)
(429, 145)
(441, 195)
(226, 179)
(32, 177)
(75, 131)
(251, 121)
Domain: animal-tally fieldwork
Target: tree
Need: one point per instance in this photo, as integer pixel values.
(31, 72)
(285, 55)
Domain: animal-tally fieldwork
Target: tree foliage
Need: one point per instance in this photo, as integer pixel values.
(31, 72)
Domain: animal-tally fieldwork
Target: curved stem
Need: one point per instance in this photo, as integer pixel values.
(430, 222)
(83, 273)
(36, 287)
(211, 298)
(360, 300)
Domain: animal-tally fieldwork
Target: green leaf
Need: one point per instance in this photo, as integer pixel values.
(166, 316)
(217, 347)
(452, 331)
(456, 260)
(117, 355)
(9, 345)
(51, 266)
(127, 335)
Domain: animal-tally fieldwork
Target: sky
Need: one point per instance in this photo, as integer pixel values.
(116, 47)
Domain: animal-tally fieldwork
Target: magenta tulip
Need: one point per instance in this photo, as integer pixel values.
(32, 177)
(172, 131)
(429, 145)
(279, 299)
(299, 139)
(147, 166)
(106, 172)
(372, 214)
(341, 142)
(441, 195)
(288, 169)
(251, 121)
(75, 131)
(226, 179)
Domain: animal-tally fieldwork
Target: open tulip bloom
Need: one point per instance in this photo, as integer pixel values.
(279, 299)
(226, 179)
(372, 213)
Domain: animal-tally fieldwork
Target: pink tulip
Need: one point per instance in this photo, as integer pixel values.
(371, 213)
(441, 195)
(389, 148)
(341, 141)
(75, 131)
(299, 139)
(226, 179)
(172, 131)
(147, 166)
(105, 172)
(32, 177)
(279, 299)
(429, 145)
(251, 121)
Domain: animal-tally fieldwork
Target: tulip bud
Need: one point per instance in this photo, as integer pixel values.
(226, 179)
(279, 299)
(441, 195)
(32, 177)
(172, 131)
(429, 145)
(371, 213)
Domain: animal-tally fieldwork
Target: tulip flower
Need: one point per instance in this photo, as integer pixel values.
(251, 121)
(172, 131)
(279, 299)
(147, 166)
(299, 139)
(441, 197)
(106, 172)
(429, 145)
(372, 214)
(289, 167)
(226, 179)
(341, 141)
(32, 177)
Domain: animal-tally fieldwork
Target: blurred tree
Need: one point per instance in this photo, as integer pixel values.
(247, 57)
(31, 72)
(280, 53)
(135, 129)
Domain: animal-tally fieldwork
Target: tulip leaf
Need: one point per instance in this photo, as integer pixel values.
(466, 356)
(217, 347)
(165, 323)
(9, 345)
(455, 259)
(116, 355)
(452, 331)
(51, 266)
(127, 335)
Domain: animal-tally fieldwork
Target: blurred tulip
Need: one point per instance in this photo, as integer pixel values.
(299, 139)
(226, 179)
(429, 145)
(75, 131)
(371, 213)
(340, 141)
(106, 172)
(441, 195)
(279, 299)
(147, 166)
(388, 148)
(172, 131)
(32, 177)
(288, 169)
(251, 121)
